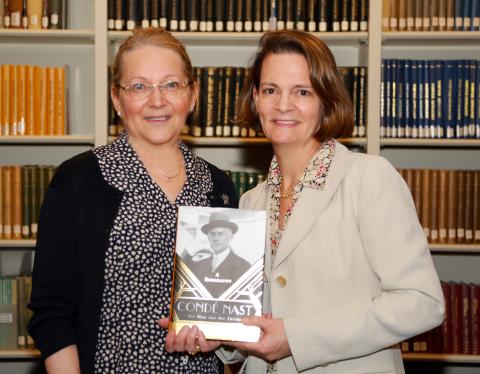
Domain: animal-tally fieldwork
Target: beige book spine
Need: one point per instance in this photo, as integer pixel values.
(402, 15)
(442, 15)
(450, 14)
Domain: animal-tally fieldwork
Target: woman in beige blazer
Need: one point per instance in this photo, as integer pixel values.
(348, 269)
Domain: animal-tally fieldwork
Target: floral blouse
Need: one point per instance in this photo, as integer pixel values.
(314, 176)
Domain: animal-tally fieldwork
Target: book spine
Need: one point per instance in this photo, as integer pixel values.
(461, 193)
(475, 317)
(182, 16)
(442, 15)
(400, 99)
(323, 15)
(30, 100)
(192, 15)
(362, 107)
(458, 15)
(257, 16)
(26, 184)
(335, 15)
(247, 14)
(4, 15)
(414, 99)
(210, 12)
(203, 15)
(35, 200)
(280, 24)
(266, 13)
(239, 16)
(59, 101)
(7, 202)
(40, 99)
(426, 202)
(55, 14)
(132, 16)
(209, 129)
(155, 13)
(196, 119)
(218, 100)
(162, 22)
(2, 202)
(119, 15)
(13, 100)
(434, 202)
(16, 172)
(407, 102)
(471, 105)
(353, 15)
(110, 15)
(402, 15)
(476, 206)
(393, 107)
(434, 13)
(468, 206)
(452, 206)
(442, 205)
(311, 19)
(450, 14)
(6, 96)
(219, 16)
(230, 15)
(466, 15)
(15, 10)
(50, 101)
(299, 15)
(145, 14)
(227, 101)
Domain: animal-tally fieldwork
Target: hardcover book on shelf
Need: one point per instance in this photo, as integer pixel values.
(218, 276)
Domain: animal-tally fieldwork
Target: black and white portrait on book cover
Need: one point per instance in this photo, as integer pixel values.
(218, 277)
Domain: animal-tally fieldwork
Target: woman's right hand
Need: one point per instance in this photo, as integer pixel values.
(189, 339)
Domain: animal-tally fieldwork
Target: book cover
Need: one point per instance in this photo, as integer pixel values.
(218, 276)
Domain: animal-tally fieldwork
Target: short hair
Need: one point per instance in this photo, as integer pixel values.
(150, 36)
(336, 118)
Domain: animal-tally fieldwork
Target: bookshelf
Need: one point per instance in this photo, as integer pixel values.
(87, 48)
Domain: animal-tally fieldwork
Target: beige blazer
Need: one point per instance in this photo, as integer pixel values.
(353, 273)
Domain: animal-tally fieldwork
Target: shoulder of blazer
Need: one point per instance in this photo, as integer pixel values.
(223, 194)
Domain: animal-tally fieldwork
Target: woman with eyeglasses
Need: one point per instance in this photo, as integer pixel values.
(104, 255)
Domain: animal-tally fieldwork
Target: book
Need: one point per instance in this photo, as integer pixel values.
(110, 15)
(154, 13)
(363, 14)
(16, 196)
(218, 272)
(145, 13)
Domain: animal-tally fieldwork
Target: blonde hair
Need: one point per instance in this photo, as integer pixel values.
(151, 36)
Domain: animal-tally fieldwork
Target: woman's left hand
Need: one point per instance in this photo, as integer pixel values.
(189, 339)
(273, 343)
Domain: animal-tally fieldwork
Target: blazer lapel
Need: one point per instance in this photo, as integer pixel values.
(310, 205)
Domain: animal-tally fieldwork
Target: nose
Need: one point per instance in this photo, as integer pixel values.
(284, 102)
(156, 97)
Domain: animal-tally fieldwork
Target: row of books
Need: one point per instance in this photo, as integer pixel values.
(14, 297)
(33, 14)
(239, 15)
(22, 189)
(431, 15)
(214, 114)
(33, 100)
(447, 203)
(459, 333)
(244, 180)
(430, 99)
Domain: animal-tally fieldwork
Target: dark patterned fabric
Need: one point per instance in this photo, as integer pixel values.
(139, 263)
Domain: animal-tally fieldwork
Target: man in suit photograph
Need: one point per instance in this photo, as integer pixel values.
(220, 270)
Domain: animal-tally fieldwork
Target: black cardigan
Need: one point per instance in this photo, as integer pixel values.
(74, 226)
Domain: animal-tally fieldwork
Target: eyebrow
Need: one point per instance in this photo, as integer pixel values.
(295, 86)
(170, 76)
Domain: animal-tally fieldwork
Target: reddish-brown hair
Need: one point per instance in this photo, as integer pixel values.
(336, 112)
(151, 36)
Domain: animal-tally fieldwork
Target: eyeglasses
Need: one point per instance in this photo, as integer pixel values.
(141, 90)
